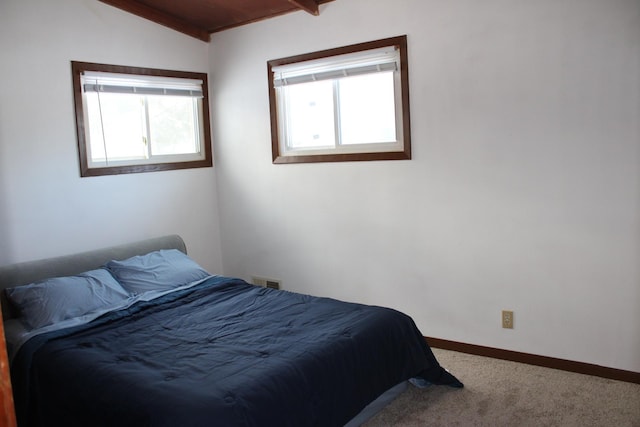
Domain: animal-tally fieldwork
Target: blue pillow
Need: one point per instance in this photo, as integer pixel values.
(53, 300)
(156, 271)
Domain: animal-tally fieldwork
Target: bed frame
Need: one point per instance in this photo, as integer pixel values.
(31, 271)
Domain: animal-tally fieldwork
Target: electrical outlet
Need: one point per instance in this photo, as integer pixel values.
(507, 319)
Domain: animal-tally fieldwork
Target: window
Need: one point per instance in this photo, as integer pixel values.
(344, 104)
(132, 120)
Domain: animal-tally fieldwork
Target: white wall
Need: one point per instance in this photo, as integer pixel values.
(46, 209)
(524, 189)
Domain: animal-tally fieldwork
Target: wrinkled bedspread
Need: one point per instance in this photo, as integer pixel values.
(222, 353)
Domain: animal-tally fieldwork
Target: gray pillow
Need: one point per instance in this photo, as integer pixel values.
(156, 271)
(60, 298)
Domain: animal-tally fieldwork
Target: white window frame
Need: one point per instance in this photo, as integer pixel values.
(144, 82)
(387, 55)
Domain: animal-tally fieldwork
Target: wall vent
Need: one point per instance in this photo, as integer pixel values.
(265, 282)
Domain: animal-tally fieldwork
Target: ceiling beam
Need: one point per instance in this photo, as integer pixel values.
(160, 17)
(308, 5)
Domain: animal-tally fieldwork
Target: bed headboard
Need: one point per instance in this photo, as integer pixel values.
(67, 265)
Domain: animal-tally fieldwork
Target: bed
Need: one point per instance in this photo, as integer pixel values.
(141, 335)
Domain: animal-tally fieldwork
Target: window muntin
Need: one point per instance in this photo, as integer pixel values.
(138, 119)
(348, 103)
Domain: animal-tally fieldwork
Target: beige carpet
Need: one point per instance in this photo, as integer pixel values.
(502, 393)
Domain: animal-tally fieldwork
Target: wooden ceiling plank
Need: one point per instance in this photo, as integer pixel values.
(160, 17)
(308, 5)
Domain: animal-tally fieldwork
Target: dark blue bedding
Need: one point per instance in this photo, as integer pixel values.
(222, 353)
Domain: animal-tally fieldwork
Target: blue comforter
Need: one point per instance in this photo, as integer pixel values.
(222, 353)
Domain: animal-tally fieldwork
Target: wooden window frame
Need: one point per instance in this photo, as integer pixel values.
(77, 68)
(400, 43)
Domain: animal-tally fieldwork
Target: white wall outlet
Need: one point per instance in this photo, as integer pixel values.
(507, 319)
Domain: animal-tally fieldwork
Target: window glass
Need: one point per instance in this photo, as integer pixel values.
(118, 119)
(173, 124)
(367, 109)
(310, 116)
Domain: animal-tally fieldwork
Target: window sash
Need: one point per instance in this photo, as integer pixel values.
(338, 143)
(148, 156)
